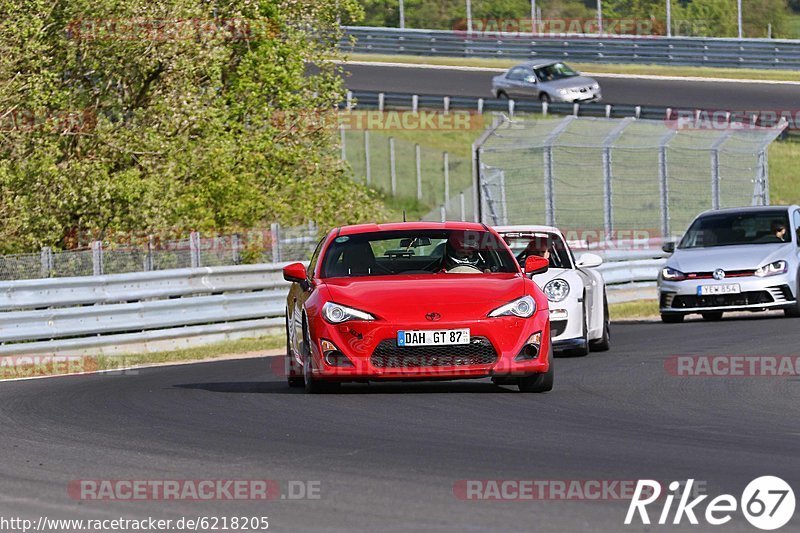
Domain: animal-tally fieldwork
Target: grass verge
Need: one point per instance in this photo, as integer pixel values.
(33, 366)
(637, 309)
(607, 68)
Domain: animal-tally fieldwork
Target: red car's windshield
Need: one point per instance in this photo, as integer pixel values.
(416, 252)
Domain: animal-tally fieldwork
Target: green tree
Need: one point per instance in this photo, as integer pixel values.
(115, 117)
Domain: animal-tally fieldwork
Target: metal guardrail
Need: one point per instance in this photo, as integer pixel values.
(139, 312)
(688, 51)
(150, 311)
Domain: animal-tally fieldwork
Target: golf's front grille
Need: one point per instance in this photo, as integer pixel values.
(478, 352)
(722, 300)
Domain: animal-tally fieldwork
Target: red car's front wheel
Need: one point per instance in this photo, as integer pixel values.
(541, 382)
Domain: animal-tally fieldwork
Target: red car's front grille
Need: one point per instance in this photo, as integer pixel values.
(389, 355)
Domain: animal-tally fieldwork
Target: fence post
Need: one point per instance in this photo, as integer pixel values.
(47, 261)
(715, 147)
(503, 202)
(148, 257)
(549, 192)
(367, 167)
(392, 167)
(97, 258)
(417, 160)
(443, 213)
(463, 207)
(194, 248)
(236, 248)
(663, 180)
(343, 140)
(275, 233)
(446, 168)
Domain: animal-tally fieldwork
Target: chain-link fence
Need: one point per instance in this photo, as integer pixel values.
(275, 244)
(610, 175)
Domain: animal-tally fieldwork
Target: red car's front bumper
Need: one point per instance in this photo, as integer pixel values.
(496, 343)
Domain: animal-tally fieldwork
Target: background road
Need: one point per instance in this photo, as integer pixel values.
(387, 455)
(667, 93)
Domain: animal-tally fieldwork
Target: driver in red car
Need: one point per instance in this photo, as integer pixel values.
(462, 255)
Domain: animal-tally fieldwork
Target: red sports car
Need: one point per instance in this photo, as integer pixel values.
(416, 301)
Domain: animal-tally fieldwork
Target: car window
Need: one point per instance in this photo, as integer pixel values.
(416, 252)
(517, 73)
(315, 258)
(727, 229)
(556, 71)
(797, 227)
(526, 244)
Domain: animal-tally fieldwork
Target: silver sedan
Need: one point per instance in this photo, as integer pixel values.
(738, 259)
(548, 81)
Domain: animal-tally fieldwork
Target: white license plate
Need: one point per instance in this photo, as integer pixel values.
(432, 337)
(727, 288)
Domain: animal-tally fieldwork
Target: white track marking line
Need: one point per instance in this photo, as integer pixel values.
(597, 74)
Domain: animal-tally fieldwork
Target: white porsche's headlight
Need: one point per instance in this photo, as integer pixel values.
(521, 307)
(556, 290)
(336, 314)
(772, 269)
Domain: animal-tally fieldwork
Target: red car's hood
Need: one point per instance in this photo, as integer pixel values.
(454, 296)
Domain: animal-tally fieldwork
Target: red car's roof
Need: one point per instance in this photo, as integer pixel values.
(401, 226)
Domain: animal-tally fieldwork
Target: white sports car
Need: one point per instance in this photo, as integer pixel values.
(576, 292)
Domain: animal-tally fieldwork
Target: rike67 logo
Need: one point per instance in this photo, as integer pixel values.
(767, 503)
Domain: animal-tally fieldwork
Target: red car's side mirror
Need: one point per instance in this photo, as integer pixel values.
(296, 273)
(536, 265)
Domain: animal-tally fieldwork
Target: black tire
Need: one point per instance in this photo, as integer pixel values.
(671, 318)
(544, 97)
(312, 386)
(501, 95)
(794, 311)
(293, 381)
(603, 343)
(712, 316)
(542, 382)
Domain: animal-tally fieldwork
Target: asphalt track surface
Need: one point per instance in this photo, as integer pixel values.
(680, 94)
(387, 456)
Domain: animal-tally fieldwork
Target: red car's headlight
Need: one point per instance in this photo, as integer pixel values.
(336, 314)
(521, 307)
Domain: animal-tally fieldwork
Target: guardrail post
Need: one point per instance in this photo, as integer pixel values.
(575, 109)
(608, 110)
(392, 167)
(545, 107)
(275, 233)
(97, 258)
(367, 167)
(380, 102)
(417, 160)
(510, 108)
(194, 249)
(638, 111)
(349, 100)
(414, 103)
(47, 261)
(446, 104)
(480, 106)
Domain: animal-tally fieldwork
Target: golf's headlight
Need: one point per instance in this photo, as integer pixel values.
(772, 269)
(521, 307)
(336, 314)
(670, 274)
(556, 290)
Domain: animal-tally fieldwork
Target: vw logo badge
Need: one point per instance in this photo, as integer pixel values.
(433, 317)
(719, 274)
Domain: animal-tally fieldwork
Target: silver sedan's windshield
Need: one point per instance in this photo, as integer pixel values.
(556, 71)
(728, 229)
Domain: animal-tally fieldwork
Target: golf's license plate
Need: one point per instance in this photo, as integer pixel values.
(727, 288)
(432, 337)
